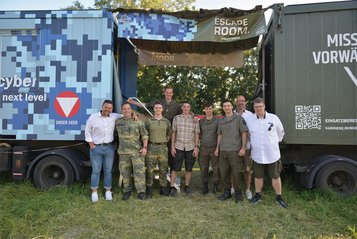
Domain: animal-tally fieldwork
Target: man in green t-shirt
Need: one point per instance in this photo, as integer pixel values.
(231, 145)
(208, 143)
(159, 129)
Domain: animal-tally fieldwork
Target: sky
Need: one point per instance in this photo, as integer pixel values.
(206, 4)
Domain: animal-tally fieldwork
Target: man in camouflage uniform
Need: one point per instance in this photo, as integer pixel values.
(159, 129)
(133, 140)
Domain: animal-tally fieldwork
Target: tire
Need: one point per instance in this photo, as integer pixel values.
(53, 171)
(338, 177)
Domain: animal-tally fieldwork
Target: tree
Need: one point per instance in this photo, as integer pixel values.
(76, 5)
(167, 5)
(200, 84)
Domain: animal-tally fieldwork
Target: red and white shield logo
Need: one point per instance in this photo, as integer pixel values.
(67, 104)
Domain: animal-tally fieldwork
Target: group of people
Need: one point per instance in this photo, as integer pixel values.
(174, 135)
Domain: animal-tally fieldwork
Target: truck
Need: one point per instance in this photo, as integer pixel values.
(57, 67)
(308, 71)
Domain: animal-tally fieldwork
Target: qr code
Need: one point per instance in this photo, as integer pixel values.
(308, 116)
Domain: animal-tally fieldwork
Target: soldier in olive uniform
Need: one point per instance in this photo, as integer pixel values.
(159, 129)
(133, 140)
(208, 135)
(171, 109)
(231, 145)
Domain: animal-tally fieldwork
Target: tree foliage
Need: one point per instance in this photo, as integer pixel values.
(76, 5)
(200, 84)
(167, 5)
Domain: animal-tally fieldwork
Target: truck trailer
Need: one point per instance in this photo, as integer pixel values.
(56, 69)
(308, 71)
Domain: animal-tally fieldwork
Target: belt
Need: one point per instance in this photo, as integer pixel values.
(104, 144)
(157, 143)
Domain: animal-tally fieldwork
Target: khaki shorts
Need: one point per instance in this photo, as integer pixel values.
(248, 162)
(273, 169)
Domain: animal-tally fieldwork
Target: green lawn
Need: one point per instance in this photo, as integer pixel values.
(26, 212)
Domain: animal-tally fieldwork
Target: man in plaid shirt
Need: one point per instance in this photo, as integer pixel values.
(185, 136)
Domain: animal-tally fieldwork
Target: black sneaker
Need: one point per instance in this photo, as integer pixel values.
(256, 199)
(142, 196)
(280, 201)
(126, 196)
(227, 194)
(164, 191)
(173, 192)
(187, 190)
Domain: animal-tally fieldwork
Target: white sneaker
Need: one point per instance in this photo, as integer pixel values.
(249, 194)
(177, 186)
(108, 196)
(95, 197)
(178, 180)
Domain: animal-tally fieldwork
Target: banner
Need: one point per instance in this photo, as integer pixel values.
(233, 59)
(224, 29)
(220, 27)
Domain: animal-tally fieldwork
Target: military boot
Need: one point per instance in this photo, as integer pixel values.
(164, 191)
(173, 192)
(238, 197)
(148, 192)
(126, 196)
(227, 194)
(141, 196)
(215, 188)
(205, 188)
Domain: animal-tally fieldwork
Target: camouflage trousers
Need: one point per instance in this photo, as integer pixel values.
(132, 164)
(157, 155)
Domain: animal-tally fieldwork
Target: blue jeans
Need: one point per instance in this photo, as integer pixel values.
(102, 155)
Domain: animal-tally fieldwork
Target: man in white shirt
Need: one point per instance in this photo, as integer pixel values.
(99, 133)
(266, 131)
(242, 111)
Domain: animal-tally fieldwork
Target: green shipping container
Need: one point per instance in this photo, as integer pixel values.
(310, 72)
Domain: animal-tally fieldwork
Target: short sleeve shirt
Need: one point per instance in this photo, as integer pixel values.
(265, 135)
(159, 130)
(231, 129)
(185, 129)
(208, 129)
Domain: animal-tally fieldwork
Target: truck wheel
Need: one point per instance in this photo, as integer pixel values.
(339, 177)
(53, 171)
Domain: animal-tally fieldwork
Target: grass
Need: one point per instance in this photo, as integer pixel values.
(67, 212)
